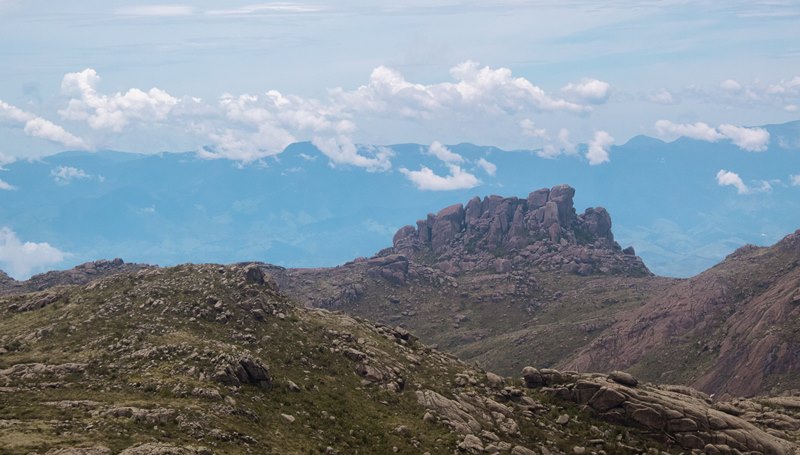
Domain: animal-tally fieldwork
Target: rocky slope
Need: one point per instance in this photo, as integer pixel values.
(81, 274)
(490, 280)
(210, 359)
(731, 330)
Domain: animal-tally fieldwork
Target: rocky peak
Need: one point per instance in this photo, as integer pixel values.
(522, 230)
(5, 279)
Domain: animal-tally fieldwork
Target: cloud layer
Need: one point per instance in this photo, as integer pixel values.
(39, 127)
(749, 139)
(250, 127)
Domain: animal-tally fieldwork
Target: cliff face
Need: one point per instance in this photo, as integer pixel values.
(542, 231)
(730, 330)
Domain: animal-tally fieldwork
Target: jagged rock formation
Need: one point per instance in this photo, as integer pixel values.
(542, 231)
(81, 274)
(730, 330)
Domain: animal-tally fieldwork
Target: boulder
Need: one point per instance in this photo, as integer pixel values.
(562, 195)
(447, 223)
(621, 377)
(538, 199)
(598, 222)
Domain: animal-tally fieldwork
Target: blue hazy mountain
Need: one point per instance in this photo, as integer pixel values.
(298, 210)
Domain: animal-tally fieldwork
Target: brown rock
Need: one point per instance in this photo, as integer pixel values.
(621, 377)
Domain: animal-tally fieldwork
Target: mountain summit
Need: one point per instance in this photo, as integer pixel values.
(542, 231)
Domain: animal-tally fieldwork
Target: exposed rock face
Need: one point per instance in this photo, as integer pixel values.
(544, 228)
(246, 371)
(690, 419)
(5, 280)
(736, 321)
(81, 274)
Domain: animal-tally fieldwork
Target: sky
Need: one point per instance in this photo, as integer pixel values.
(241, 81)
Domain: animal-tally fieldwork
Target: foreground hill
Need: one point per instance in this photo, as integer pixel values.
(732, 329)
(211, 359)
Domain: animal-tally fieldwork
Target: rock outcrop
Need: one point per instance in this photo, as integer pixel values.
(81, 274)
(542, 231)
(686, 417)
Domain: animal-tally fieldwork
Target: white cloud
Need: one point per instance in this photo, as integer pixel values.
(661, 97)
(113, 112)
(20, 259)
(38, 127)
(727, 178)
(562, 146)
(6, 159)
(591, 91)
(700, 131)
(443, 153)
(488, 167)
(529, 129)
(478, 89)
(597, 152)
(794, 180)
(6, 186)
(426, 179)
(250, 127)
(791, 108)
(341, 150)
(63, 175)
(731, 85)
(749, 139)
(155, 11)
(779, 94)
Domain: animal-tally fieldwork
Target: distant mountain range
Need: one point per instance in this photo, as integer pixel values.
(298, 210)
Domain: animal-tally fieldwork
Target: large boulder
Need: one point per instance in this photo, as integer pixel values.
(598, 222)
(538, 198)
(562, 195)
(448, 222)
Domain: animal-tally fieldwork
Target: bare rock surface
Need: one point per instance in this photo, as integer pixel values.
(688, 419)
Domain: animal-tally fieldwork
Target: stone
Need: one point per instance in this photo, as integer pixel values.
(251, 371)
(598, 222)
(98, 450)
(621, 377)
(538, 199)
(254, 275)
(519, 450)
(532, 377)
(562, 419)
(563, 195)
(495, 380)
(471, 444)
(447, 223)
(288, 417)
(369, 372)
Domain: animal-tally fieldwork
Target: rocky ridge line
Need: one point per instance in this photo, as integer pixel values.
(81, 274)
(499, 233)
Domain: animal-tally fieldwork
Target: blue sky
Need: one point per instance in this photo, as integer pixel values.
(237, 82)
